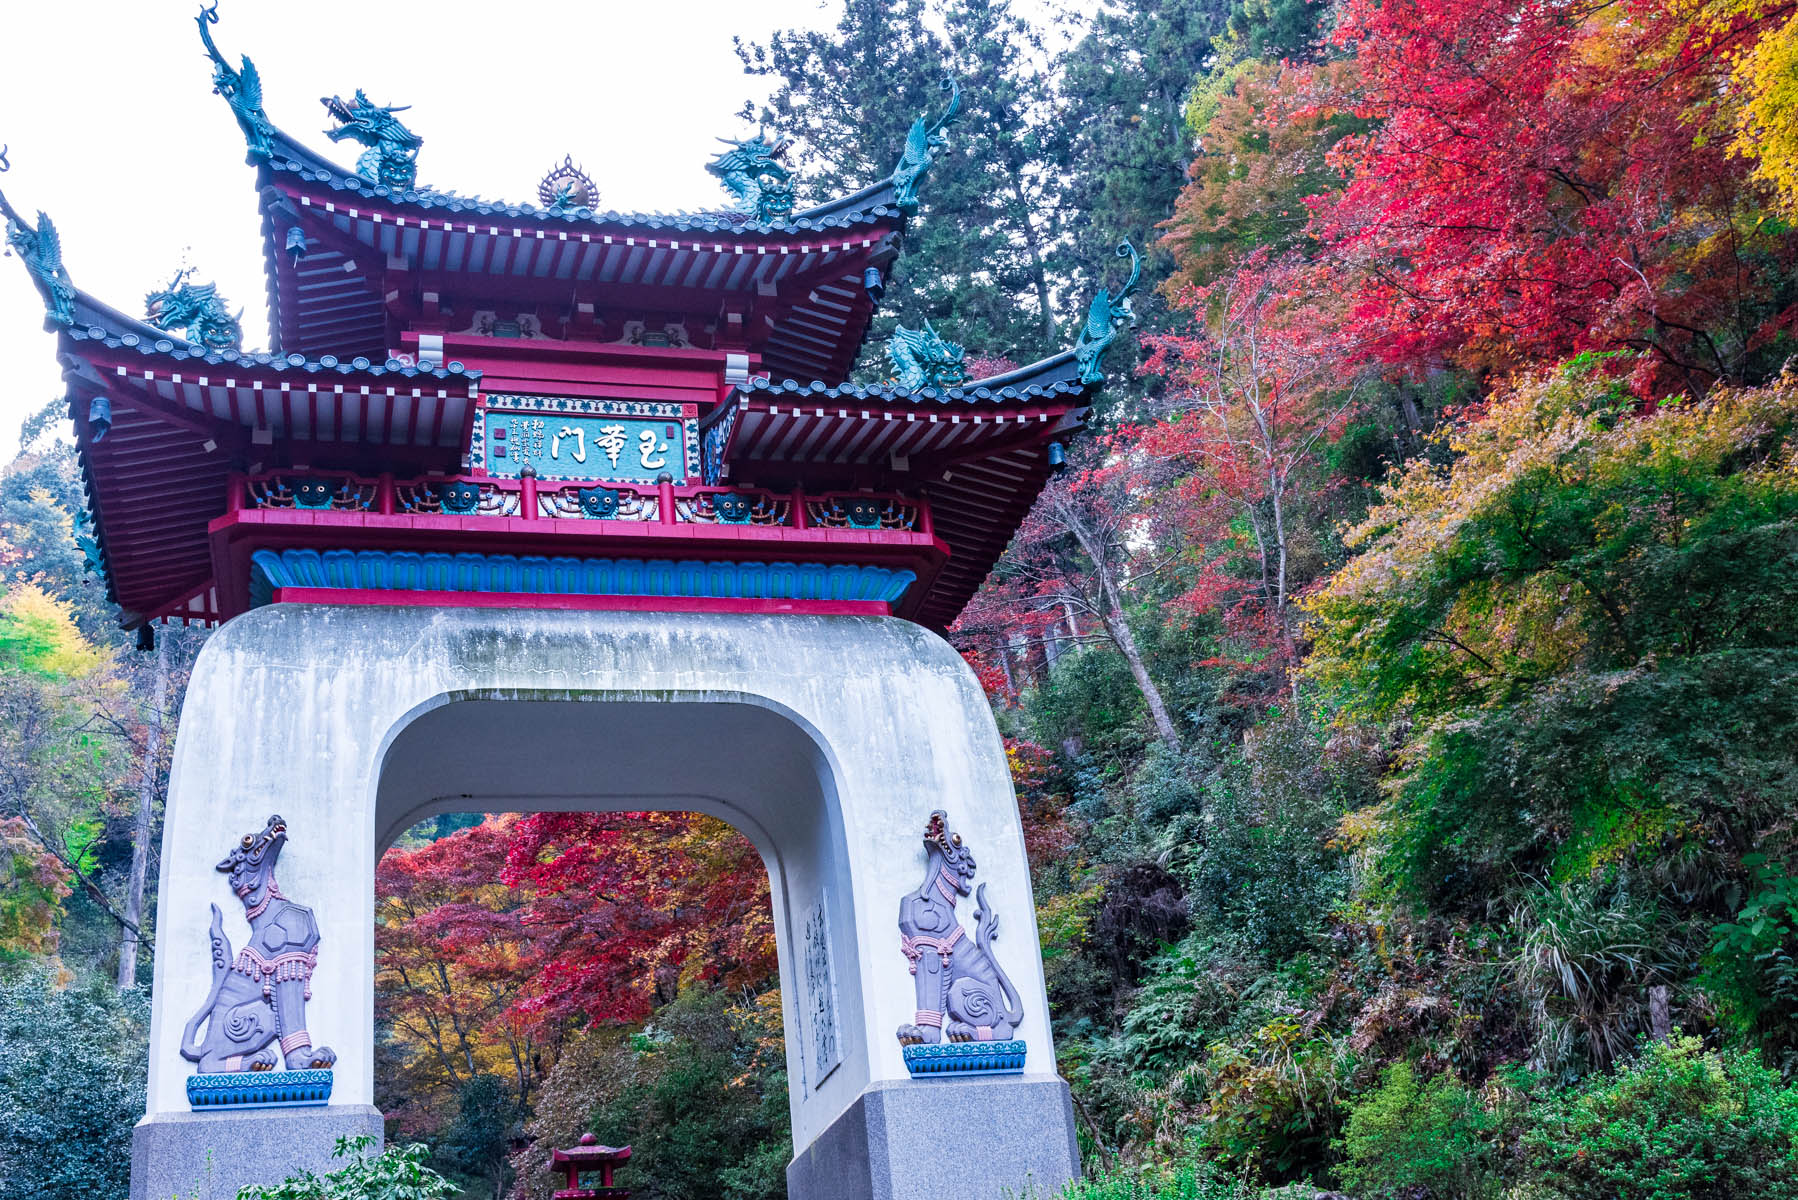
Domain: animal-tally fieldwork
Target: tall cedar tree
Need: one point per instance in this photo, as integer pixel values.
(1124, 90)
(978, 261)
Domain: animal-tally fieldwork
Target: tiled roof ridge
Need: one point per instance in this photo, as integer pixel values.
(99, 322)
(1056, 375)
(871, 204)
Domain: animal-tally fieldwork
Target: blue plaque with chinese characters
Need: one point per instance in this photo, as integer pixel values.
(565, 438)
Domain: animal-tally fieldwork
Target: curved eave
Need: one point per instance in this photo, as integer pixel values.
(179, 415)
(979, 452)
(99, 323)
(868, 206)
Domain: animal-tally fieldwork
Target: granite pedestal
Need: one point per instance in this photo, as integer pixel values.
(980, 1138)
(209, 1155)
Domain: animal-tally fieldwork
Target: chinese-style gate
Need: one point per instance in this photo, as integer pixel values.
(545, 507)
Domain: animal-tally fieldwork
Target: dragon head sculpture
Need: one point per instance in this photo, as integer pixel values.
(752, 171)
(197, 310)
(391, 154)
(922, 358)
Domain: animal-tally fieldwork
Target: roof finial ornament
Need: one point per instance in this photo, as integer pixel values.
(41, 249)
(921, 146)
(1108, 314)
(242, 89)
(567, 186)
(197, 310)
(751, 170)
(391, 154)
(921, 358)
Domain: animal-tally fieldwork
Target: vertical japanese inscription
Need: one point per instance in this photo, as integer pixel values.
(820, 996)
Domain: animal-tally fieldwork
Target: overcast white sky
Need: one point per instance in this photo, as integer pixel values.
(108, 110)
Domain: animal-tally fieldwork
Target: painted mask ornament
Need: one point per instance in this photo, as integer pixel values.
(459, 497)
(733, 509)
(599, 503)
(967, 1010)
(255, 1013)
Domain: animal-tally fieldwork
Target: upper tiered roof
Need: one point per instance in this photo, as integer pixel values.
(366, 453)
(352, 255)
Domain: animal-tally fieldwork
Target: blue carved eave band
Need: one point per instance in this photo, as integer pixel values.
(382, 570)
(259, 1089)
(966, 1058)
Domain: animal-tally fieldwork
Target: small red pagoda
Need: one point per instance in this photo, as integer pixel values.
(547, 405)
(590, 1158)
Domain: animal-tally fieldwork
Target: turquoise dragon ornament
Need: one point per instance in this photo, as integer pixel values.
(751, 171)
(40, 247)
(241, 88)
(1106, 317)
(921, 146)
(390, 156)
(921, 358)
(196, 310)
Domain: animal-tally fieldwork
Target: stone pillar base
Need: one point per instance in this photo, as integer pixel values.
(209, 1155)
(992, 1138)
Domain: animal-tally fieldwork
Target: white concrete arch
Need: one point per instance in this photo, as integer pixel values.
(827, 740)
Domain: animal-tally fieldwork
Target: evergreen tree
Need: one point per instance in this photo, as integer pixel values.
(1124, 87)
(979, 259)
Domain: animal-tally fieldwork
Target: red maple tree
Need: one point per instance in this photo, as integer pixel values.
(1544, 179)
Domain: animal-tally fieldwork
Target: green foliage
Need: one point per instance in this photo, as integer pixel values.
(1271, 1103)
(1587, 619)
(479, 1140)
(72, 1069)
(1754, 960)
(1402, 1137)
(977, 262)
(1585, 959)
(699, 1095)
(38, 635)
(1192, 1179)
(396, 1173)
(1263, 868)
(1090, 695)
(1680, 1121)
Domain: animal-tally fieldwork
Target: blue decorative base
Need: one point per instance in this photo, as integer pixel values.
(966, 1058)
(381, 570)
(259, 1089)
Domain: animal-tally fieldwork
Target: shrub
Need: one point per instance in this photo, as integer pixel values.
(1190, 1180)
(72, 1065)
(1401, 1138)
(1678, 1122)
(397, 1173)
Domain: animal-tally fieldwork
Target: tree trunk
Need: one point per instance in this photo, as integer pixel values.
(1039, 272)
(1119, 629)
(148, 777)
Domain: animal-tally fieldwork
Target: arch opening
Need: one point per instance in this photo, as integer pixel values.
(741, 762)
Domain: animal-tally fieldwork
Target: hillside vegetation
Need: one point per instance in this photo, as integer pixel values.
(1400, 683)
